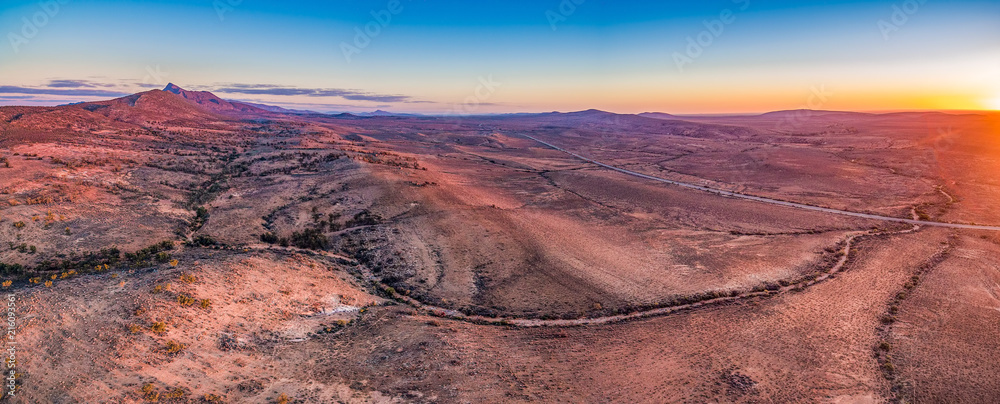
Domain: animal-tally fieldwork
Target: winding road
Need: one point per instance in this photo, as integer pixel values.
(769, 200)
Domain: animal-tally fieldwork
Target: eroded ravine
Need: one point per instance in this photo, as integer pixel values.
(726, 297)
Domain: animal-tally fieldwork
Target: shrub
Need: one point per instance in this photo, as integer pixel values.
(184, 300)
(200, 217)
(309, 239)
(212, 398)
(48, 284)
(149, 393)
(175, 393)
(162, 257)
(11, 268)
(158, 327)
(188, 278)
(174, 263)
(204, 241)
(153, 252)
(19, 224)
(135, 329)
(282, 399)
(173, 347)
(363, 218)
(7, 283)
(206, 303)
(269, 238)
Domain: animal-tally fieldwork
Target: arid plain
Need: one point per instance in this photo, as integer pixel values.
(174, 247)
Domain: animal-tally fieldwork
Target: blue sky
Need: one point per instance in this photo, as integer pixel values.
(506, 56)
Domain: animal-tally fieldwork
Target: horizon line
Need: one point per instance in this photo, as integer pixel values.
(300, 109)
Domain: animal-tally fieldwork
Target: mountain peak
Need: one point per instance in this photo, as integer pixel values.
(173, 88)
(210, 102)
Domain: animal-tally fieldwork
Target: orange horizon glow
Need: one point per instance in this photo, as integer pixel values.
(993, 104)
(433, 59)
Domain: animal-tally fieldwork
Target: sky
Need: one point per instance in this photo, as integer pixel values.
(500, 56)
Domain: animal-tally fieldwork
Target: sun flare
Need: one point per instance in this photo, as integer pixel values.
(993, 103)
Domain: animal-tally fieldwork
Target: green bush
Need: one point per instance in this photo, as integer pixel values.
(204, 241)
(363, 218)
(309, 239)
(162, 257)
(269, 238)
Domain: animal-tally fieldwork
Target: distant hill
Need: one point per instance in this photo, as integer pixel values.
(274, 108)
(814, 113)
(213, 103)
(147, 108)
(383, 113)
(658, 115)
(172, 106)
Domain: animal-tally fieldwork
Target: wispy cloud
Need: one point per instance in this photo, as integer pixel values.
(378, 98)
(77, 84)
(353, 95)
(76, 92)
(103, 88)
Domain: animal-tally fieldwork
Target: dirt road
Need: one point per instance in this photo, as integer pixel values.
(772, 201)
